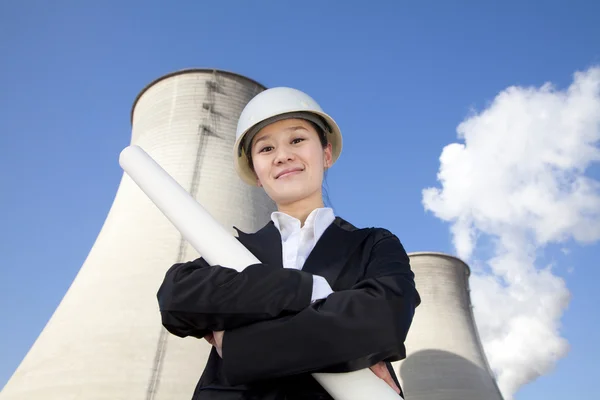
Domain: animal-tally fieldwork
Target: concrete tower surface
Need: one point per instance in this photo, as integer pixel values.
(445, 359)
(105, 339)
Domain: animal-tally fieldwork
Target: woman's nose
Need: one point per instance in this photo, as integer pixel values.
(283, 155)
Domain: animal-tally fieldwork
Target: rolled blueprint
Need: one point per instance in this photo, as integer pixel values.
(219, 247)
(197, 226)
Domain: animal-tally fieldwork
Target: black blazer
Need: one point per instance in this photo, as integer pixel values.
(274, 337)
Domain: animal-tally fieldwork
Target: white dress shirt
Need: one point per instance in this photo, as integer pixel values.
(297, 242)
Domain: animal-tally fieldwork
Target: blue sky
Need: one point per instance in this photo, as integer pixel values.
(399, 79)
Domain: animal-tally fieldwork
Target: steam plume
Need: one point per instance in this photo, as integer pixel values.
(516, 185)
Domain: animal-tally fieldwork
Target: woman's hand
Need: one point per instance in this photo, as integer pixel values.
(216, 339)
(380, 369)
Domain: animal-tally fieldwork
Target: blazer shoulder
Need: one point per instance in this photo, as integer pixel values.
(373, 234)
(241, 233)
(383, 233)
(376, 232)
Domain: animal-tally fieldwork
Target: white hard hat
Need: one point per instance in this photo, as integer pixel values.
(274, 105)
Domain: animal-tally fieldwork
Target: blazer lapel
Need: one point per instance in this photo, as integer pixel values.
(333, 249)
(327, 259)
(265, 244)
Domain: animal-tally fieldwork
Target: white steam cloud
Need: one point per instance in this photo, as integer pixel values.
(519, 181)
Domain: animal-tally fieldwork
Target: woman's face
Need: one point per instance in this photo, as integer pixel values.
(289, 160)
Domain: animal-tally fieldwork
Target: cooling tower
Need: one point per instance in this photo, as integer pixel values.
(445, 359)
(105, 339)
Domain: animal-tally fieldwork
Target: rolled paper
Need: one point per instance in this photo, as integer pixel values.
(196, 225)
(219, 247)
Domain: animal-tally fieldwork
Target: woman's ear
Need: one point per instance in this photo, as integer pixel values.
(257, 180)
(328, 157)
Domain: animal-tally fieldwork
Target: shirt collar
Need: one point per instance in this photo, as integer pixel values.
(318, 220)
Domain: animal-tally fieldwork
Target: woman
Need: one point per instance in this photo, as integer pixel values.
(326, 297)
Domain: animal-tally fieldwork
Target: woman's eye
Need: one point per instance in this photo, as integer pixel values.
(297, 140)
(266, 148)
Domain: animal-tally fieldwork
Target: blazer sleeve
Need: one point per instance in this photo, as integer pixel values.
(196, 298)
(349, 330)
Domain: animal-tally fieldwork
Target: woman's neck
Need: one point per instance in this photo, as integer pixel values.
(301, 209)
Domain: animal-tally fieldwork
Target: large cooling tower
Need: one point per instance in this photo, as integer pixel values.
(445, 359)
(105, 340)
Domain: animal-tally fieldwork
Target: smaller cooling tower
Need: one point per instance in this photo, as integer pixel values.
(445, 358)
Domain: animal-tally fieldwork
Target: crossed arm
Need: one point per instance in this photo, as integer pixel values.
(267, 311)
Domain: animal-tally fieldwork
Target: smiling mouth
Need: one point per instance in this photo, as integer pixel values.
(288, 173)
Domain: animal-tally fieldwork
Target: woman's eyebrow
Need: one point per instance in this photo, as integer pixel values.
(261, 139)
(295, 128)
